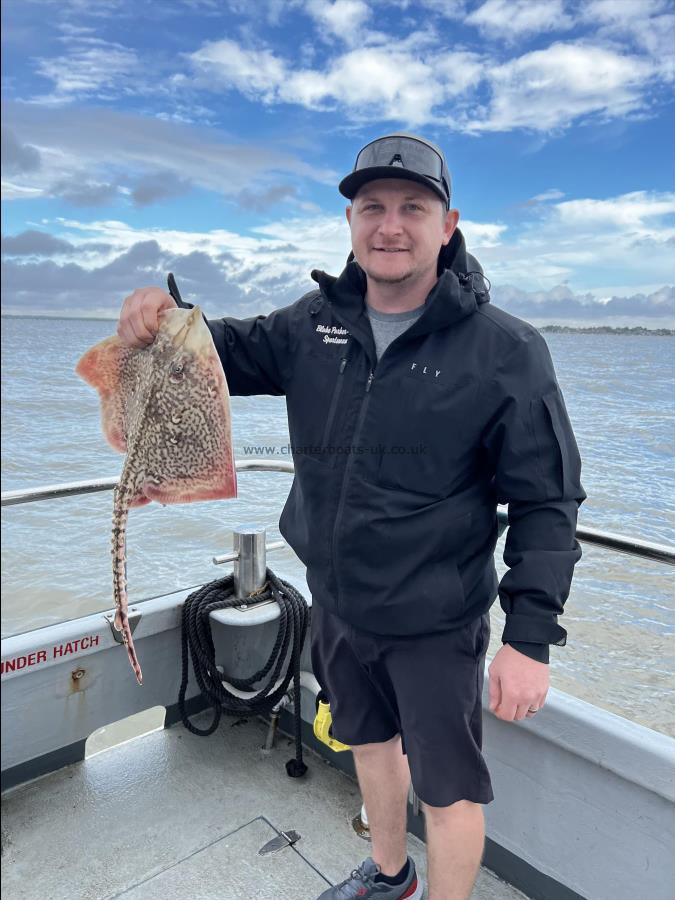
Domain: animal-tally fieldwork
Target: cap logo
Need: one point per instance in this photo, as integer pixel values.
(396, 160)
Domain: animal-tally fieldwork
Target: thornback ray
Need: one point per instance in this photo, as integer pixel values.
(167, 406)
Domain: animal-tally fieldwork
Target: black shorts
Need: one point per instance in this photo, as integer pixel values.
(428, 688)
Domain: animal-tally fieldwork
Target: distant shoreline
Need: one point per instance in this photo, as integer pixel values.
(605, 329)
(549, 329)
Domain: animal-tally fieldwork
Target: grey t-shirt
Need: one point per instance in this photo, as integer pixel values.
(387, 326)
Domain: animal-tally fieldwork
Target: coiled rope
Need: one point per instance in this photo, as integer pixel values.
(197, 641)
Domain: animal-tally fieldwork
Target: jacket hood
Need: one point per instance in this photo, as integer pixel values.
(457, 293)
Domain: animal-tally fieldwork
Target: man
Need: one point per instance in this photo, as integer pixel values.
(414, 407)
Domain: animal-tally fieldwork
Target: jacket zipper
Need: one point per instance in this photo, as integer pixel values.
(343, 491)
(334, 402)
(357, 430)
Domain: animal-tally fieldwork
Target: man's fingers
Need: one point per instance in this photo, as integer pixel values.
(523, 711)
(148, 321)
(142, 335)
(126, 334)
(139, 322)
(535, 705)
(503, 706)
(515, 710)
(495, 693)
(516, 684)
(133, 336)
(141, 316)
(131, 328)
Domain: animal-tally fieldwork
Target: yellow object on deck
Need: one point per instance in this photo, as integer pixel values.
(323, 727)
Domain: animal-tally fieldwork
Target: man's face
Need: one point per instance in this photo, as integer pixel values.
(398, 228)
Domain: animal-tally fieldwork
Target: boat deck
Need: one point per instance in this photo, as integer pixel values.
(171, 815)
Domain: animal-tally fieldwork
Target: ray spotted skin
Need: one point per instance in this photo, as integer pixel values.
(167, 407)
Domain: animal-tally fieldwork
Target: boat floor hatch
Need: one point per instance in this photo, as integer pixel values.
(172, 815)
(231, 867)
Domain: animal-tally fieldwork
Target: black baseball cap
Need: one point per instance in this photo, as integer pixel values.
(400, 155)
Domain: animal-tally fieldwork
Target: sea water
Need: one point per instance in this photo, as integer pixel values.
(56, 563)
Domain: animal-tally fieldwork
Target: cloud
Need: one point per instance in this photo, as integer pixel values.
(223, 286)
(394, 82)
(343, 18)
(480, 235)
(121, 149)
(80, 8)
(646, 24)
(516, 18)
(586, 242)
(548, 89)
(633, 211)
(557, 265)
(406, 73)
(224, 271)
(551, 194)
(18, 158)
(412, 80)
(262, 200)
(35, 243)
(75, 290)
(91, 67)
(100, 290)
(449, 9)
(81, 191)
(620, 12)
(562, 306)
(258, 74)
(13, 191)
(161, 186)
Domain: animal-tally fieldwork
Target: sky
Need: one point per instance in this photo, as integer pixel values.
(207, 138)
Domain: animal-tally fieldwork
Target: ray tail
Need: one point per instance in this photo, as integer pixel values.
(121, 621)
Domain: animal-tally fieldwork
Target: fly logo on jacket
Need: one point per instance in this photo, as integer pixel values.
(425, 369)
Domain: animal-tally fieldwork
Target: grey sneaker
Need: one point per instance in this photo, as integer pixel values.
(361, 883)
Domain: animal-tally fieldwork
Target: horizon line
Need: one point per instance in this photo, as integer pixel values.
(578, 328)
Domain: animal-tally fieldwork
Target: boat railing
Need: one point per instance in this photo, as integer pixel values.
(632, 546)
(57, 694)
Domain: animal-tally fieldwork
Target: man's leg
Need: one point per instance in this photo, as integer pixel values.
(384, 779)
(455, 839)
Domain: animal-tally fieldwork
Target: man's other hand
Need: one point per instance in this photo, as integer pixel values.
(516, 684)
(139, 319)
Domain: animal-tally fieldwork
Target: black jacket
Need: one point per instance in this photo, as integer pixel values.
(400, 463)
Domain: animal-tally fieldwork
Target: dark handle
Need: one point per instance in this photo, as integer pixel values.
(175, 293)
